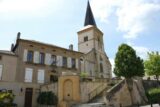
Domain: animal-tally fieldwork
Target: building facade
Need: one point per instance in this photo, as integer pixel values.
(32, 63)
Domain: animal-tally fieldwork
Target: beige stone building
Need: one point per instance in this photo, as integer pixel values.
(8, 66)
(31, 64)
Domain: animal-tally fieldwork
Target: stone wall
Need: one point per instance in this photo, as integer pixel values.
(126, 93)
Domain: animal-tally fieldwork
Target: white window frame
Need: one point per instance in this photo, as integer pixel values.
(28, 75)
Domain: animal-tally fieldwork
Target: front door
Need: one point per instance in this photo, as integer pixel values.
(28, 97)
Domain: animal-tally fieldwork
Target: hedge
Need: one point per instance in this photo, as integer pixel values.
(154, 95)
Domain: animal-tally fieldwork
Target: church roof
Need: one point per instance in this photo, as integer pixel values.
(89, 19)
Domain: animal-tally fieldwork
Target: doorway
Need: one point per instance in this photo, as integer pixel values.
(28, 97)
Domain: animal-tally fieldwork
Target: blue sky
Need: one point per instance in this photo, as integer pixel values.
(136, 22)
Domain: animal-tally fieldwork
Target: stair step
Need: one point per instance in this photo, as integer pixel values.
(91, 105)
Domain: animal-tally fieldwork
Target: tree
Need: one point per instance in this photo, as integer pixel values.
(127, 63)
(152, 64)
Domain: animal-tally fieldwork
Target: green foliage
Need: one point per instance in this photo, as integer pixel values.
(47, 98)
(6, 96)
(152, 64)
(83, 74)
(127, 64)
(154, 95)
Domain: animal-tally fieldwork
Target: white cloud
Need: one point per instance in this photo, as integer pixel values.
(133, 15)
(141, 51)
(32, 8)
(112, 63)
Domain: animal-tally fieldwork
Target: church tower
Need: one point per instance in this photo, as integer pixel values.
(90, 37)
(90, 42)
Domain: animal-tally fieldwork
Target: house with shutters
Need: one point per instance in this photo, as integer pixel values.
(38, 63)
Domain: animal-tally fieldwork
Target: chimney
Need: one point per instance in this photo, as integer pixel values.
(12, 46)
(71, 47)
(18, 35)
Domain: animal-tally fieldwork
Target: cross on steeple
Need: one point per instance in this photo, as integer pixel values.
(89, 19)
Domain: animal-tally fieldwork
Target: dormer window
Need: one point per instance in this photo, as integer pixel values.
(85, 38)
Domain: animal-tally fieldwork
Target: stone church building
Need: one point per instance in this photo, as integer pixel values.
(32, 64)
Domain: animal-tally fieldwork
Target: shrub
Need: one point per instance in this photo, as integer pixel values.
(6, 99)
(83, 74)
(47, 98)
(154, 95)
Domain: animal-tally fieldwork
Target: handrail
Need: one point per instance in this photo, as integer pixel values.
(97, 91)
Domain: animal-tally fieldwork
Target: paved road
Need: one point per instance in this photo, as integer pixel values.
(155, 105)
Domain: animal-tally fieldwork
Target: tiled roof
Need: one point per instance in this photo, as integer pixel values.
(34, 41)
(6, 52)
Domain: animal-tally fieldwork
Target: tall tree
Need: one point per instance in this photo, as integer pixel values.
(152, 64)
(127, 64)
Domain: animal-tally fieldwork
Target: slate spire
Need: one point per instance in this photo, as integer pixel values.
(89, 19)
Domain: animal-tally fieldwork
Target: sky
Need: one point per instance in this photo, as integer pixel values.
(135, 22)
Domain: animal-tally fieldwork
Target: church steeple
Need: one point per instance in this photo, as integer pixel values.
(89, 19)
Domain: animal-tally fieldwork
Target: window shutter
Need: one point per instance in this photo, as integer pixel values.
(77, 63)
(1, 68)
(47, 59)
(69, 62)
(25, 55)
(28, 75)
(40, 76)
(36, 57)
(59, 61)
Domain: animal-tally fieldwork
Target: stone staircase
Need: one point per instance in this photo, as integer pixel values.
(98, 94)
(96, 97)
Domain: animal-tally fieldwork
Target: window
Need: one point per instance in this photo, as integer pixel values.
(99, 43)
(53, 60)
(30, 56)
(1, 72)
(73, 63)
(101, 67)
(28, 75)
(53, 78)
(64, 61)
(10, 91)
(40, 78)
(85, 38)
(41, 58)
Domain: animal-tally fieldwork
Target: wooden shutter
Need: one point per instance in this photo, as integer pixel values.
(69, 64)
(48, 59)
(36, 57)
(25, 55)
(1, 69)
(40, 77)
(77, 63)
(28, 74)
(59, 61)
